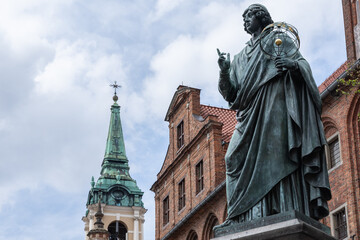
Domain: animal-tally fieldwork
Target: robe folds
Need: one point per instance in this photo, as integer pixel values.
(275, 161)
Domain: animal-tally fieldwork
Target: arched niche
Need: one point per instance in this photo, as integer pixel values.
(192, 235)
(353, 124)
(353, 118)
(210, 223)
(330, 127)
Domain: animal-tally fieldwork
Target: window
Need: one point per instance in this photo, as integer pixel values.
(334, 152)
(166, 210)
(339, 224)
(182, 194)
(180, 134)
(199, 177)
(117, 231)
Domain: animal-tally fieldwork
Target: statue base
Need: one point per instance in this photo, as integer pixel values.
(289, 225)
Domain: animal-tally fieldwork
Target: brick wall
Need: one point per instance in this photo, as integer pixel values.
(203, 142)
(340, 116)
(198, 222)
(350, 21)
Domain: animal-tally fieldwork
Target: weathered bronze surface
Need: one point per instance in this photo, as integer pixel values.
(275, 161)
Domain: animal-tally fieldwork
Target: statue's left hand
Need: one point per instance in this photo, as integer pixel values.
(224, 63)
(287, 63)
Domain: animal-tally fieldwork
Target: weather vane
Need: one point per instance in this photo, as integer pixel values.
(115, 86)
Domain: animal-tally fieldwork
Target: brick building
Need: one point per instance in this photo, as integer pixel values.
(190, 190)
(341, 125)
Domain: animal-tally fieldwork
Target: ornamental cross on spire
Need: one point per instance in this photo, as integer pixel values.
(115, 86)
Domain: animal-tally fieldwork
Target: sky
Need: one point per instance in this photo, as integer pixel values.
(57, 59)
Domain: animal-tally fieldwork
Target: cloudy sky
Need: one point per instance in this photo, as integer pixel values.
(57, 59)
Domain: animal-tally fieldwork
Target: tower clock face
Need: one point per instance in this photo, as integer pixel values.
(118, 194)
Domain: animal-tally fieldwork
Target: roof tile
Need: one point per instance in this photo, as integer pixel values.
(225, 116)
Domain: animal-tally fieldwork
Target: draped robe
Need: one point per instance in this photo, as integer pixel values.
(275, 161)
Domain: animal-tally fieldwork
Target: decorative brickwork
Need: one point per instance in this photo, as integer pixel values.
(340, 121)
(198, 164)
(350, 22)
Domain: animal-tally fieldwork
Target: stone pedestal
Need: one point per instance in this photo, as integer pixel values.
(291, 225)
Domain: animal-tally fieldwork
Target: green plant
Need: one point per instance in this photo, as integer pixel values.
(351, 82)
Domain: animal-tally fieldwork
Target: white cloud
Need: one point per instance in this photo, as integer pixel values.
(78, 64)
(54, 131)
(191, 59)
(58, 58)
(165, 6)
(320, 29)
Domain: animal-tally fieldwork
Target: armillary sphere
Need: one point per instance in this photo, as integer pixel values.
(279, 39)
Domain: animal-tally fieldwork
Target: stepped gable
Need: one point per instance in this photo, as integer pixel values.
(225, 116)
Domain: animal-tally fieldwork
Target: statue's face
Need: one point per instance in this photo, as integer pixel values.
(252, 24)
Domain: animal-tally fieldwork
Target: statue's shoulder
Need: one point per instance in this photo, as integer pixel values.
(239, 56)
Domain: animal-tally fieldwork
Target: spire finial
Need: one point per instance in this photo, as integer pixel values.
(92, 182)
(99, 215)
(115, 86)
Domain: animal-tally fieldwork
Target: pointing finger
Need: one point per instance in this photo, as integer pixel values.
(218, 51)
(228, 57)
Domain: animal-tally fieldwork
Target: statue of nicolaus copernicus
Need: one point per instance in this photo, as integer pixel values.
(275, 161)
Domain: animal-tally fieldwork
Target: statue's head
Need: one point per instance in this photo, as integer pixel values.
(261, 14)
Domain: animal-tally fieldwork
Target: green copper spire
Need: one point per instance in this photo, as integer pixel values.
(115, 181)
(115, 147)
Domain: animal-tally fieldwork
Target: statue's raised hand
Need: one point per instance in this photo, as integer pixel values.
(224, 63)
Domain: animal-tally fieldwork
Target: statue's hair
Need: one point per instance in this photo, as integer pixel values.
(261, 13)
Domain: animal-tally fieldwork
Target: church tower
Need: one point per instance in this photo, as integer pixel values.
(115, 191)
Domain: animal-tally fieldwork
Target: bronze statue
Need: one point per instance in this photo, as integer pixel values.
(275, 161)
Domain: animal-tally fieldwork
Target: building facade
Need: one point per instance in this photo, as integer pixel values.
(341, 125)
(118, 195)
(190, 188)
(340, 116)
(190, 192)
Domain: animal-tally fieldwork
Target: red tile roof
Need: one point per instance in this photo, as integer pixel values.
(225, 116)
(333, 77)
